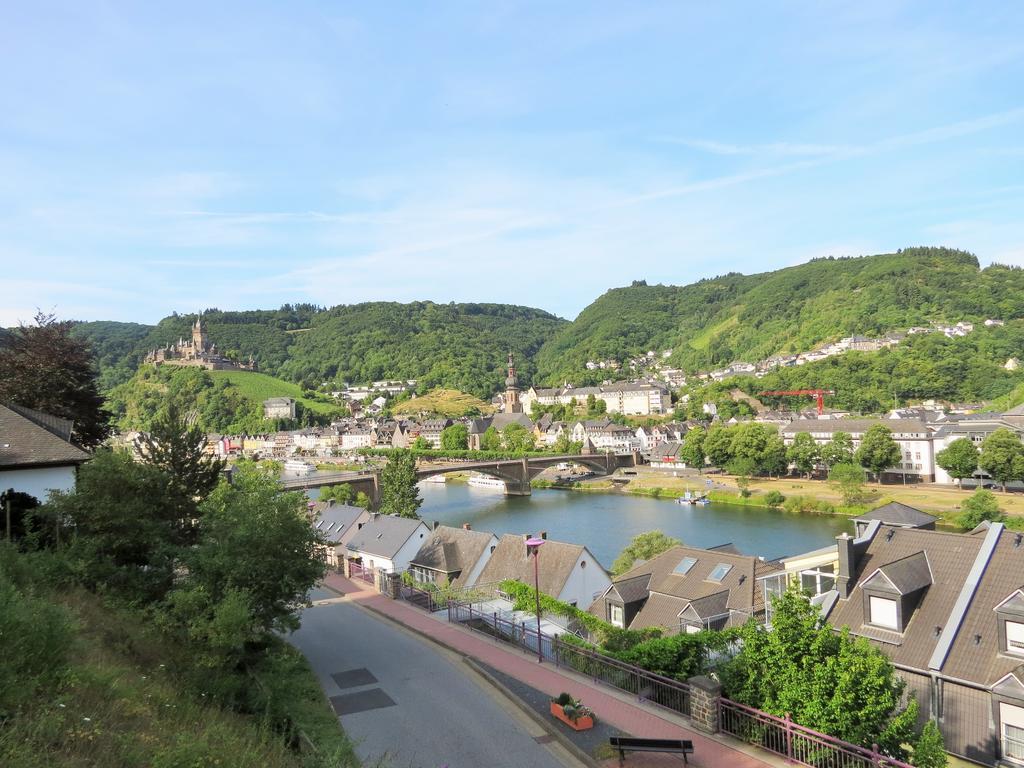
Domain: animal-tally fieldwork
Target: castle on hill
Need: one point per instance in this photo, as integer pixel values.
(197, 351)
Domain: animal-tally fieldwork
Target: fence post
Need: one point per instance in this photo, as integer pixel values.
(875, 756)
(554, 649)
(789, 737)
(496, 635)
(705, 695)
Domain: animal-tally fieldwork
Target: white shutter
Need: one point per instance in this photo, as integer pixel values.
(883, 612)
(1015, 637)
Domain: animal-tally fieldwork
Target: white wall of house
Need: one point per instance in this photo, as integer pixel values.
(400, 560)
(38, 481)
(587, 580)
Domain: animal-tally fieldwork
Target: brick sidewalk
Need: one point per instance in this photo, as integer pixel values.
(611, 706)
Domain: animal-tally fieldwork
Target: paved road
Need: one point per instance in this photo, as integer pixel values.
(403, 699)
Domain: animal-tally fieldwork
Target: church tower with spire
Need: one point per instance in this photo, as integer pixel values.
(512, 403)
(199, 341)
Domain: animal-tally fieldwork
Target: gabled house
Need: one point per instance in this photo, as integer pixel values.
(948, 610)
(452, 556)
(36, 454)
(897, 514)
(338, 523)
(566, 572)
(686, 589)
(387, 541)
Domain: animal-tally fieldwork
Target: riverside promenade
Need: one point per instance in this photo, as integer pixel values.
(611, 706)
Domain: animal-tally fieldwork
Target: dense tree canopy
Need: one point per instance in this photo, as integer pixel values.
(398, 492)
(959, 459)
(43, 366)
(643, 546)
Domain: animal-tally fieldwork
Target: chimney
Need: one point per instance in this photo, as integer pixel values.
(436, 524)
(847, 564)
(467, 527)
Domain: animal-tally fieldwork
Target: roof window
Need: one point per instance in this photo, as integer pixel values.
(720, 572)
(685, 565)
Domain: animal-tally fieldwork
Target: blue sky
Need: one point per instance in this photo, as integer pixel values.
(161, 157)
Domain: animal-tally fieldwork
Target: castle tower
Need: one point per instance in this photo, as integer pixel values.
(512, 404)
(199, 340)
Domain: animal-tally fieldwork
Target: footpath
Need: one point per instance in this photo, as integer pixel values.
(611, 706)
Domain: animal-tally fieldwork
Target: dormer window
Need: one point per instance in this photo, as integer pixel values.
(882, 612)
(1010, 618)
(892, 592)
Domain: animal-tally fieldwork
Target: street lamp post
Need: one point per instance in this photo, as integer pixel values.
(533, 548)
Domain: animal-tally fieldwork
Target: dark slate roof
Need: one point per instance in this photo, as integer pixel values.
(29, 438)
(335, 520)
(670, 592)
(855, 426)
(509, 561)
(384, 535)
(951, 556)
(904, 576)
(975, 652)
(712, 605)
(502, 420)
(632, 590)
(448, 550)
(902, 515)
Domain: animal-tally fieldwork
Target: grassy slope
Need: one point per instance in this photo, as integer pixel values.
(122, 705)
(260, 386)
(445, 402)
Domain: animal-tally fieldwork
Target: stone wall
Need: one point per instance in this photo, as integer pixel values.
(704, 696)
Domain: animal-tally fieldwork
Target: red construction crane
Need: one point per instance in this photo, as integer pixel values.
(819, 395)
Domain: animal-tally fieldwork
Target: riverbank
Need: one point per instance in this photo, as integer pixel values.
(799, 495)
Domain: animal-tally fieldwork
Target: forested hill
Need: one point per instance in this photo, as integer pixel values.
(750, 317)
(458, 346)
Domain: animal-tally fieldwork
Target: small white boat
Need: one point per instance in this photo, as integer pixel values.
(688, 499)
(299, 467)
(439, 479)
(476, 480)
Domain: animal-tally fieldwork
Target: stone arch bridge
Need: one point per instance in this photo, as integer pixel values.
(515, 473)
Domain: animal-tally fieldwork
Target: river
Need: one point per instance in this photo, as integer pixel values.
(605, 522)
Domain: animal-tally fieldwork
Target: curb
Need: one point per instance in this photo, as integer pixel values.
(561, 738)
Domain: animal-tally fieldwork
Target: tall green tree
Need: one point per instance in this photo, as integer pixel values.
(848, 480)
(929, 751)
(825, 680)
(692, 449)
(980, 506)
(398, 492)
(490, 440)
(177, 445)
(718, 446)
(804, 453)
(959, 459)
(44, 367)
(1001, 456)
(773, 459)
(643, 546)
(838, 450)
(516, 438)
(127, 523)
(256, 560)
(341, 493)
(878, 451)
(421, 444)
(455, 437)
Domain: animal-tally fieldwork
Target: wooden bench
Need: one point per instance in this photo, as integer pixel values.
(625, 744)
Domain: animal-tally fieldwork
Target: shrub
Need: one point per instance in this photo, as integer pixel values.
(774, 499)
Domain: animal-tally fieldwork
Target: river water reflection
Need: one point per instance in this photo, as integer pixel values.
(605, 522)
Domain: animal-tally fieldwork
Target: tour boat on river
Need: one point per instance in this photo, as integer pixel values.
(476, 480)
(299, 467)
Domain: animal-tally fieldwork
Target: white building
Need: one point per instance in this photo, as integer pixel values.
(388, 542)
(36, 454)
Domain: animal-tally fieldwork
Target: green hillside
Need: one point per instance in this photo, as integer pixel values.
(260, 386)
(750, 317)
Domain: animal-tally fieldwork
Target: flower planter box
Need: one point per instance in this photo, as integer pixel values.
(581, 723)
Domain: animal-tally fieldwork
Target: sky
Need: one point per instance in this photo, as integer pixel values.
(159, 157)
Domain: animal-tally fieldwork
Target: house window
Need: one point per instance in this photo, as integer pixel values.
(1011, 720)
(1015, 637)
(615, 616)
(883, 612)
(818, 581)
